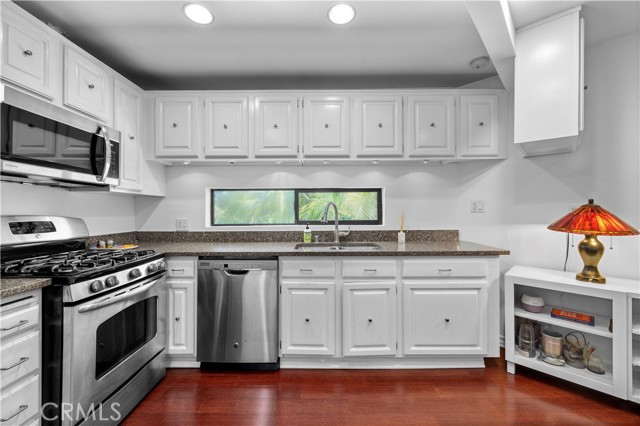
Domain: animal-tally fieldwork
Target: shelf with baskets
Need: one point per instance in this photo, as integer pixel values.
(609, 335)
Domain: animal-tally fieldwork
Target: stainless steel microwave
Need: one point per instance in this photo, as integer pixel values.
(44, 144)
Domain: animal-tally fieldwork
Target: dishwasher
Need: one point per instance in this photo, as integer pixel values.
(237, 322)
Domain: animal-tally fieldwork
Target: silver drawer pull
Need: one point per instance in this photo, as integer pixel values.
(23, 322)
(177, 270)
(306, 271)
(27, 52)
(370, 270)
(91, 86)
(444, 270)
(20, 410)
(306, 320)
(370, 320)
(446, 320)
(22, 360)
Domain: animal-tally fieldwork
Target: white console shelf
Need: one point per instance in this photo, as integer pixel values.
(618, 300)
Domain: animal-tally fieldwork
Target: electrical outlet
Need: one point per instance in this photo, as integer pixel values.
(477, 206)
(182, 224)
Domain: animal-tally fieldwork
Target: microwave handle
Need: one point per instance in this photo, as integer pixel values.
(107, 154)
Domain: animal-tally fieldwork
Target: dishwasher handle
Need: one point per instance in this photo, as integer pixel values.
(238, 272)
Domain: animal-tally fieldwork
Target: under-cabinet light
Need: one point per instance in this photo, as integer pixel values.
(197, 13)
(342, 13)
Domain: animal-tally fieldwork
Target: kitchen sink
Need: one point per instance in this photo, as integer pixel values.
(330, 247)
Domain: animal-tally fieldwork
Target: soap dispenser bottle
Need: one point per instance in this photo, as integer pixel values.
(307, 234)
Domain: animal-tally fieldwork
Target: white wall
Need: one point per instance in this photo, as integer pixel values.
(103, 213)
(522, 195)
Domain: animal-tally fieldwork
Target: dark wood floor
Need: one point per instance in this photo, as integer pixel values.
(377, 397)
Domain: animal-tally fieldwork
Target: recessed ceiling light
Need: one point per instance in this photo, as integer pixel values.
(341, 13)
(426, 161)
(326, 162)
(375, 161)
(197, 13)
(186, 162)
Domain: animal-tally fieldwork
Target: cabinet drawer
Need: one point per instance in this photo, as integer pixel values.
(18, 320)
(368, 268)
(19, 404)
(181, 268)
(19, 357)
(443, 269)
(308, 268)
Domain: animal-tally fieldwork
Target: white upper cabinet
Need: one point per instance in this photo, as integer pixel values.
(431, 126)
(378, 126)
(326, 126)
(276, 126)
(226, 132)
(177, 127)
(127, 119)
(86, 84)
(548, 102)
(29, 55)
(479, 127)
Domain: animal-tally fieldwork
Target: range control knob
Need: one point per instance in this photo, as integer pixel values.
(161, 265)
(152, 268)
(96, 286)
(112, 281)
(135, 273)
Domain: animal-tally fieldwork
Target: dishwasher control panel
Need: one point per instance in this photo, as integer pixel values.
(239, 265)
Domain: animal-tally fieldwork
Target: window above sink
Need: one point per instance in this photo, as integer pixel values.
(293, 206)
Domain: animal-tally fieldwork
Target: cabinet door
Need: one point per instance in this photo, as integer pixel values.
(444, 320)
(369, 318)
(177, 127)
(26, 57)
(86, 84)
(181, 314)
(431, 126)
(326, 126)
(307, 322)
(128, 113)
(276, 126)
(226, 127)
(379, 126)
(479, 128)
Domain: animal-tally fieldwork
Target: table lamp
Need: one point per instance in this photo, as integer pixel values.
(592, 220)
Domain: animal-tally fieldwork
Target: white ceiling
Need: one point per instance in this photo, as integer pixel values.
(291, 44)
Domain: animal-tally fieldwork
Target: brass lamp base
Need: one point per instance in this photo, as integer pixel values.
(591, 251)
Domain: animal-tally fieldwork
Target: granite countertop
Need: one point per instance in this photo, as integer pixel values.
(13, 286)
(261, 249)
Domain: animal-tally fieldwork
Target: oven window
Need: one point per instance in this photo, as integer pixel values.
(124, 333)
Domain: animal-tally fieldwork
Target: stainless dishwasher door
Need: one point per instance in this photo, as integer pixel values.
(237, 311)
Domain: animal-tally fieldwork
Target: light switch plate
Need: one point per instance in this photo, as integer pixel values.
(182, 224)
(477, 206)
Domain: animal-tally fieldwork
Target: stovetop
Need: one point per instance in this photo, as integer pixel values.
(72, 266)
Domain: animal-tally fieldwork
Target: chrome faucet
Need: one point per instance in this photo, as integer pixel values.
(336, 233)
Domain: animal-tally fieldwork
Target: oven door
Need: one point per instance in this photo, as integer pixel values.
(107, 340)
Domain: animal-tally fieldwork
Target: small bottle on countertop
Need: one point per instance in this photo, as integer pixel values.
(307, 234)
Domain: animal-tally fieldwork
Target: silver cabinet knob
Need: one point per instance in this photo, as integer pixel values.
(326, 125)
(481, 123)
(306, 319)
(275, 126)
(380, 125)
(27, 52)
(131, 138)
(174, 125)
(446, 320)
(370, 320)
(225, 126)
(177, 319)
(432, 125)
(236, 345)
(91, 86)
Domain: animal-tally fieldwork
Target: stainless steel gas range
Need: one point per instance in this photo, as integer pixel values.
(103, 318)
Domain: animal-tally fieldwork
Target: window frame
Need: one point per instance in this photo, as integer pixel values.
(296, 206)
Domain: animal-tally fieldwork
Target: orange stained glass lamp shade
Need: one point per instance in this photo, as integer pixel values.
(592, 220)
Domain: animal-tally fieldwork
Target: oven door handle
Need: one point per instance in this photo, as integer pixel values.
(114, 299)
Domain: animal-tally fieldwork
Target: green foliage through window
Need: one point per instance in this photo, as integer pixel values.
(294, 206)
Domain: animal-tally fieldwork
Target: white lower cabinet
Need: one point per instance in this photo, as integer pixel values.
(386, 312)
(181, 311)
(308, 317)
(634, 348)
(444, 318)
(20, 348)
(369, 318)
